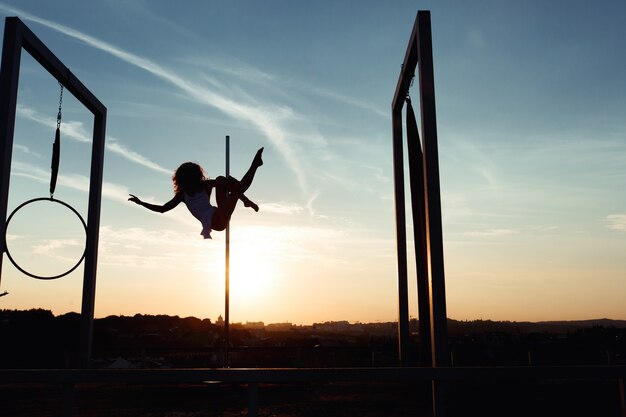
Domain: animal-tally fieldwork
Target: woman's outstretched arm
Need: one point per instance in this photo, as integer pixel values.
(176, 200)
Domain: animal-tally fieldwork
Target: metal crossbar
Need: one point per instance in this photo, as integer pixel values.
(254, 376)
(288, 375)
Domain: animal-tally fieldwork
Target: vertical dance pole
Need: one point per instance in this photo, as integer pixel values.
(227, 268)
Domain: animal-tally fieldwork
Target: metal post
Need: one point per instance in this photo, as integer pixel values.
(434, 231)
(403, 292)
(406, 75)
(227, 268)
(9, 75)
(93, 236)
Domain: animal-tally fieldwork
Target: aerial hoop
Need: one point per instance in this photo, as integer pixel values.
(30, 274)
(54, 166)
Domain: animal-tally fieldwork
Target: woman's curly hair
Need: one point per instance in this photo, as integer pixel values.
(188, 177)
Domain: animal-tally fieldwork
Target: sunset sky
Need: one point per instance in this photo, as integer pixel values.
(531, 114)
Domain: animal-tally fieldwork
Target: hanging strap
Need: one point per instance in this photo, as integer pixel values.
(413, 136)
(56, 148)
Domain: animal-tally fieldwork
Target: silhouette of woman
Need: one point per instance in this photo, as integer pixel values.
(192, 187)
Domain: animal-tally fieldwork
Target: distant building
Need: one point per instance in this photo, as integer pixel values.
(279, 327)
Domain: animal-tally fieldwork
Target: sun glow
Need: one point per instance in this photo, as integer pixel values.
(252, 275)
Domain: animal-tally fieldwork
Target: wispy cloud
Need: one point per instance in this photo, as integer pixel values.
(71, 129)
(492, 233)
(246, 73)
(282, 208)
(118, 148)
(164, 248)
(25, 149)
(309, 204)
(616, 222)
(136, 247)
(53, 247)
(239, 70)
(75, 182)
(75, 130)
(348, 100)
(267, 119)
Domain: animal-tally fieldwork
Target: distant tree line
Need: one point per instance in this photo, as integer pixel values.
(39, 339)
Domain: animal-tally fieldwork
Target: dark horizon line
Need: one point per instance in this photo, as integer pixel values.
(563, 321)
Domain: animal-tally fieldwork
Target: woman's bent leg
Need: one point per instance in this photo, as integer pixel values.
(246, 180)
(224, 186)
(236, 189)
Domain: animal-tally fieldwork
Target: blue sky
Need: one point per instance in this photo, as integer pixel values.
(531, 98)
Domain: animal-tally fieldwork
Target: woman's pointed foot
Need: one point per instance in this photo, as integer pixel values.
(258, 158)
(251, 204)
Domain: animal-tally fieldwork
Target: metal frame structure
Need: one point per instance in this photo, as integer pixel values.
(18, 36)
(425, 201)
(425, 207)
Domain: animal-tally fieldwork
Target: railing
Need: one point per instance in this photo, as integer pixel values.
(254, 376)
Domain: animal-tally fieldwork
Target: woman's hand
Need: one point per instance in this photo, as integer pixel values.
(134, 199)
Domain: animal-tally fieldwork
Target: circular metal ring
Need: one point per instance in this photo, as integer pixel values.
(30, 274)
